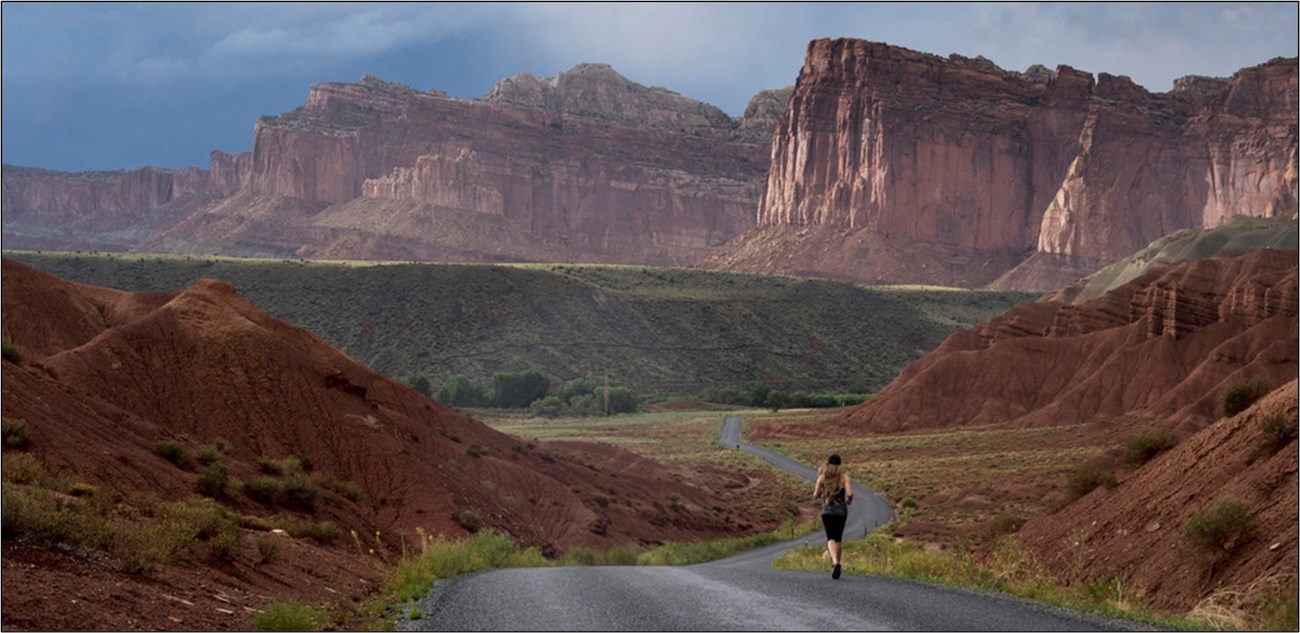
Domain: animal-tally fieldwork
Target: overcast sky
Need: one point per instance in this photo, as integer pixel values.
(108, 86)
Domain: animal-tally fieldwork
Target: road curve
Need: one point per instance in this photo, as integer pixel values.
(741, 592)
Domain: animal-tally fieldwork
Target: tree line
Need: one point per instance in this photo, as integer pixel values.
(532, 390)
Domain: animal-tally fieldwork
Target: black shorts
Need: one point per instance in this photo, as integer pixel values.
(834, 526)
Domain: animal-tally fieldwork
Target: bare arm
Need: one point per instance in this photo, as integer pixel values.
(848, 489)
(817, 488)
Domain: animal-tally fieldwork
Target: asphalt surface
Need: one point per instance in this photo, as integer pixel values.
(741, 592)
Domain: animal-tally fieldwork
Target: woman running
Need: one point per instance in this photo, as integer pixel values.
(835, 491)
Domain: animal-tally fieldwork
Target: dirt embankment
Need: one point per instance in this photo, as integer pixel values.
(106, 375)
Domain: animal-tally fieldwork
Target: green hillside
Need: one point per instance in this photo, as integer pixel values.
(660, 331)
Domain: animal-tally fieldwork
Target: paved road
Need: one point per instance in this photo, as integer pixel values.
(737, 593)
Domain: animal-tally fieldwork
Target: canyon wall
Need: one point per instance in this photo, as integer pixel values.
(965, 160)
(584, 166)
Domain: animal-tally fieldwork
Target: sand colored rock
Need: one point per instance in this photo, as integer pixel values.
(967, 159)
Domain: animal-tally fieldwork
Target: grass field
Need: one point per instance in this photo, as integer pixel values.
(685, 438)
(954, 477)
(663, 332)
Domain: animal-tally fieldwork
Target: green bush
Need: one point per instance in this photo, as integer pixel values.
(458, 391)
(15, 433)
(516, 390)
(909, 503)
(341, 487)
(263, 490)
(468, 519)
(776, 400)
(267, 549)
(1085, 479)
(548, 407)
(1238, 397)
(577, 387)
(1220, 527)
(756, 393)
(13, 353)
(476, 450)
(621, 400)
(420, 383)
(297, 491)
(1142, 448)
(289, 615)
(174, 452)
(212, 481)
(1277, 429)
(208, 455)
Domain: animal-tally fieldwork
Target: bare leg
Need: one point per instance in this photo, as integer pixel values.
(835, 548)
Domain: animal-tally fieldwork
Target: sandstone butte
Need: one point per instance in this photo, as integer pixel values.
(107, 374)
(584, 166)
(891, 165)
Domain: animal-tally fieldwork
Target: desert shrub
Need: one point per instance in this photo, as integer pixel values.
(206, 517)
(255, 523)
(267, 549)
(458, 391)
(174, 452)
(147, 546)
(1085, 479)
(1143, 447)
(515, 390)
(548, 407)
(909, 503)
(614, 557)
(1220, 527)
(207, 455)
(1277, 429)
(297, 491)
(21, 468)
(341, 487)
(476, 450)
(263, 490)
(212, 481)
(323, 531)
(12, 353)
(289, 615)
(15, 433)
(1238, 397)
(468, 519)
(269, 465)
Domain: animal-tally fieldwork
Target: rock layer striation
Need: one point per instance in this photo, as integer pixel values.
(886, 147)
(585, 166)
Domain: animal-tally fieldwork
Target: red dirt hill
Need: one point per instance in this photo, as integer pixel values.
(1135, 531)
(1161, 347)
(108, 374)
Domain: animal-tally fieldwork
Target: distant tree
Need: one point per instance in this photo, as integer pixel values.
(621, 399)
(419, 383)
(776, 400)
(578, 387)
(757, 393)
(458, 391)
(515, 390)
(585, 405)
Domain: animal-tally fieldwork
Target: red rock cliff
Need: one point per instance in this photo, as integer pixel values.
(106, 209)
(588, 159)
(971, 161)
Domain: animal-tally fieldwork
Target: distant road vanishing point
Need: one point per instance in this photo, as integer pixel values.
(741, 592)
